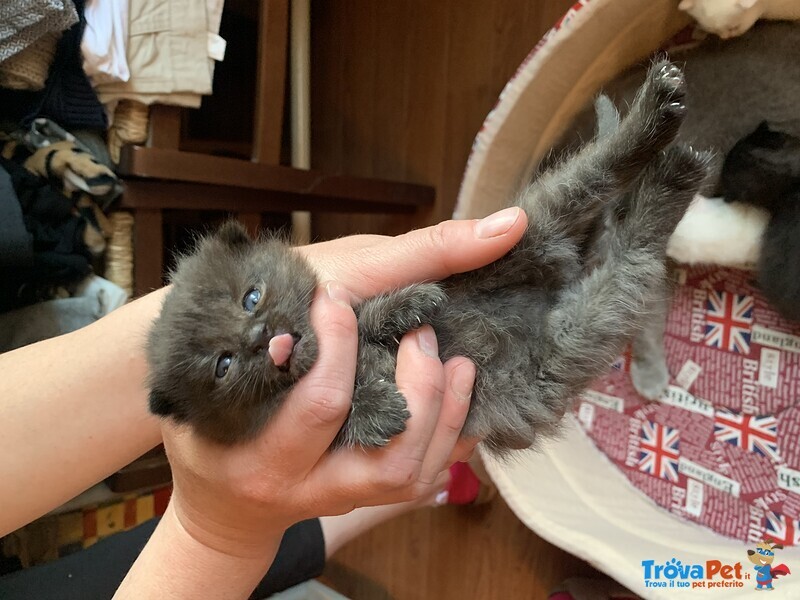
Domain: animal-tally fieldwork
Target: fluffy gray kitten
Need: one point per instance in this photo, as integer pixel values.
(540, 323)
(731, 86)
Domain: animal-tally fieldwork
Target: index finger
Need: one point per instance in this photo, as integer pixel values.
(313, 412)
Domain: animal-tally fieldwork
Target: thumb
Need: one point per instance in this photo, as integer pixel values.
(435, 253)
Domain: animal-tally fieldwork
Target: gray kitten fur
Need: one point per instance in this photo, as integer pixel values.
(731, 86)
(540, 323)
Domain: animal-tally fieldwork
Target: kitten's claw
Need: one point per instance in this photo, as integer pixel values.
(664, 95)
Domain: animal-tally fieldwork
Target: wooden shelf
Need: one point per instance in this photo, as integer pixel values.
(172, 179)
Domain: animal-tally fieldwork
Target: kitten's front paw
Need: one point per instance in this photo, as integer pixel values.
(387, 318)
(379, 413)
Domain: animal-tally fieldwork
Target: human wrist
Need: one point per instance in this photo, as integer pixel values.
(240, 533)
(175, 564)
(256, 548)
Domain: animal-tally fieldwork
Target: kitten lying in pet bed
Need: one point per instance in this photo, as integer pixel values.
(541, 323)
(763, 169)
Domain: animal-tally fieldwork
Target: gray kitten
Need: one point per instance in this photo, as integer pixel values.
(540, 323)
(731, 86)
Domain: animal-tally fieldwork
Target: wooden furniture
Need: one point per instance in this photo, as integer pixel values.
(164, 176)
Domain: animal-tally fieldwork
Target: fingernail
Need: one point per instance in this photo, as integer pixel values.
(441, 498)
(426, 339)
(498, 223)
(338, 293)
(462, 380)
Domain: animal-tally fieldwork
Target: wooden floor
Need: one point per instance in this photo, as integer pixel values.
(452, 553)
(399, 89)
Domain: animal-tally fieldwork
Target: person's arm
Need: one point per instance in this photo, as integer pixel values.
(231, 505)
(73, 409)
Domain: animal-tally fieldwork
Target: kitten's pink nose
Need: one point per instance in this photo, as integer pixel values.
(280, 348)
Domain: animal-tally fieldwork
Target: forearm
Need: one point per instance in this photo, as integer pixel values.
(175, 565)
(73, 410)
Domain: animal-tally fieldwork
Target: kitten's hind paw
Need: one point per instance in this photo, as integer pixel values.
(661, 102)
(682, 167)
(378, 414)
(650, 379)
(663, 194)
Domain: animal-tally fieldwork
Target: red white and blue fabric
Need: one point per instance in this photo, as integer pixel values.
(757, 434)
(623, 361)
(659, 451)
(781, 529)
(729, 318)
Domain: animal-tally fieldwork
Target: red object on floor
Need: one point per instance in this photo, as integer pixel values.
(464, 485)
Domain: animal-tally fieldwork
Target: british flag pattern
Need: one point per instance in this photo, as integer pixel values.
(729, 318)
(781, 529)
(659, 451)
(753, 433)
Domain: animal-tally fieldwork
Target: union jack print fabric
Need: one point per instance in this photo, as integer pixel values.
(729, 318)
(659, 451)
(781, 529)
(757, 434)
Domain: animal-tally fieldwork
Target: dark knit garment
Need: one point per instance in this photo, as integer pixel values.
(69, 98)
(16, 244)
(60, 257)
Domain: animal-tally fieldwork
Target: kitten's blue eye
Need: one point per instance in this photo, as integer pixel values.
(223, 364)
(251, 298)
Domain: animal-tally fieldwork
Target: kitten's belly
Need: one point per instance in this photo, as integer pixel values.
(478, 325)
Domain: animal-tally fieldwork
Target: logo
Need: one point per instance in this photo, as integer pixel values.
(762, 557)
(675, 573)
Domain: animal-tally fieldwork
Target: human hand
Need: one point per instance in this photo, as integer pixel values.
(233, 499)
(368, 265)
(237, 499)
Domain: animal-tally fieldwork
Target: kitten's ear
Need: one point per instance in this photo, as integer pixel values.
(233, 234)
(745, 4)
(768, 138)
(686, 4)
(606, 115)
(763, 127)
(160, 404)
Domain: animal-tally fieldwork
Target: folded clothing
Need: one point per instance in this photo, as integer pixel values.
(171, 51)
(105, 39)
(25, 21)
(27, 70)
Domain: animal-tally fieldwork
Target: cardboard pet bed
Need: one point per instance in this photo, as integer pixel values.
(664, 496)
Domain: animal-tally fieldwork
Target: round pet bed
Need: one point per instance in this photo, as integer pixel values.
(568, 492)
